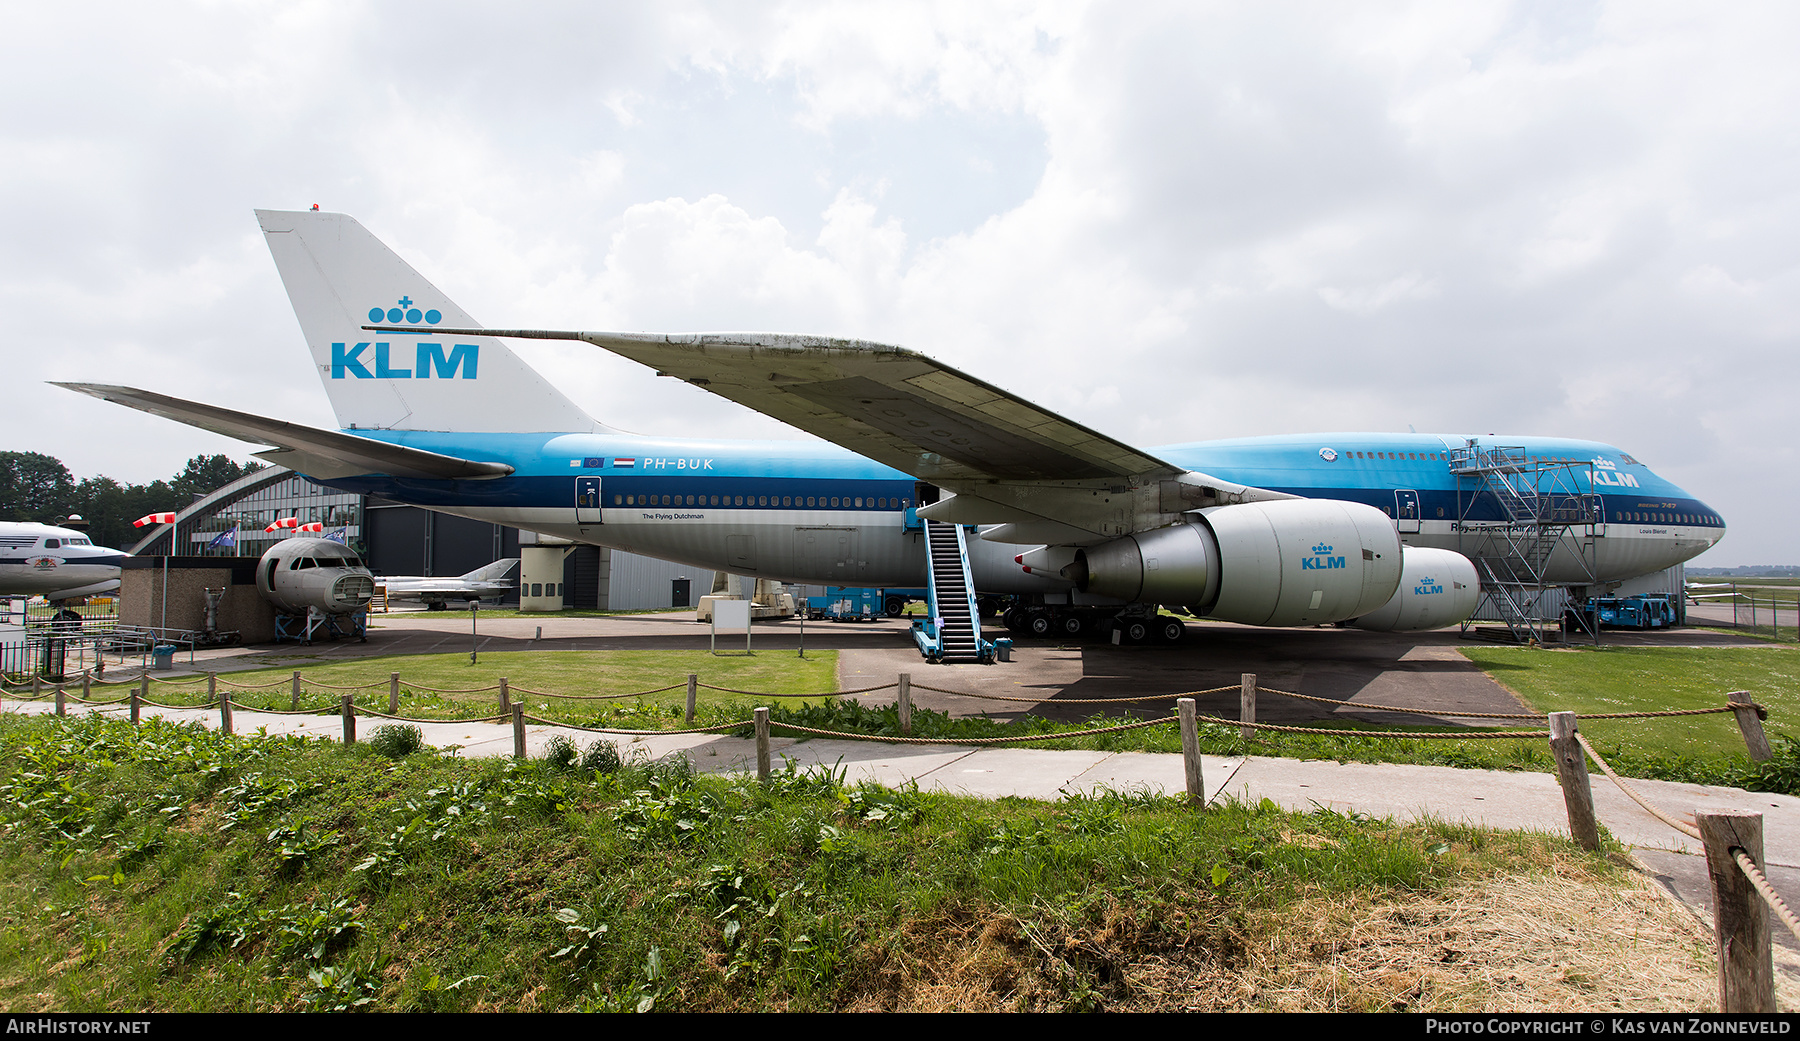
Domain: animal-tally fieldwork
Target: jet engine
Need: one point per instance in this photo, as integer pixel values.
(1438, 587)
(1287, 562)
(299, 575)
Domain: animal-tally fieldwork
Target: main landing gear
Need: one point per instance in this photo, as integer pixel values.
(1135, 624)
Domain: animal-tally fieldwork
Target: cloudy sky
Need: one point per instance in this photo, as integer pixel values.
(1172, 222)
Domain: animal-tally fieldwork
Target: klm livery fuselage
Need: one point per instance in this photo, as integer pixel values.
(811, 512)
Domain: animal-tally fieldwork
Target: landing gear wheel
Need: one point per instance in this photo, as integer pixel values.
(1014, 620)
(1170, 630)
(1039, 624)
(1071, 624)
(1135, 631)
(894, 607)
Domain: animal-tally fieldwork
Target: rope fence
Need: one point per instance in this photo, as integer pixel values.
(1732, 840)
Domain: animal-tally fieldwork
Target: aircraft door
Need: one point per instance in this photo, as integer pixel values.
(1406, 510)
(827, 556)
(587, 500)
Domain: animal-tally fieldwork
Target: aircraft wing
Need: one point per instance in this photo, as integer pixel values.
(889, 404)
(325, 454)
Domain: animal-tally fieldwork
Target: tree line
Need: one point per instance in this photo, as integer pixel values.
(38, 487)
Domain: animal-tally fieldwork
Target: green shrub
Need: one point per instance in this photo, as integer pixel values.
(396, 740)
(601, 758)
(560, 754)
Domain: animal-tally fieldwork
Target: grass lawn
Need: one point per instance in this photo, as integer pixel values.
(782, 677)
(166, 868)
(1636, 679)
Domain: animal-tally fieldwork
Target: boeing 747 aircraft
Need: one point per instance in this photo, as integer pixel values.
(436, 411)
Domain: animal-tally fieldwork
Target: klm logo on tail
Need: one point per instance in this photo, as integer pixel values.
(1321, 560)
(428, 360)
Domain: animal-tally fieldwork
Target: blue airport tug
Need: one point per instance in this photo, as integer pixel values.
(1630, 612)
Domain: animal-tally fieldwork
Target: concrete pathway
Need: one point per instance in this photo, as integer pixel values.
(1496, 799)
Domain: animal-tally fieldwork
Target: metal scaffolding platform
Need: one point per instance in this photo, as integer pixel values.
(1543, 525)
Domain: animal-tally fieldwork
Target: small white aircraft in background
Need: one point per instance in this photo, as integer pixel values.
(484, 583)
(56, 563)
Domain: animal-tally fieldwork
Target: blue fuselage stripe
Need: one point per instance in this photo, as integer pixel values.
(1365, 468)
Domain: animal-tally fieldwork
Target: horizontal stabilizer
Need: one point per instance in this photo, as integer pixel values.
(324, 454)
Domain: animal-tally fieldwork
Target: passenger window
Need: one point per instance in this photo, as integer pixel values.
(52, 543)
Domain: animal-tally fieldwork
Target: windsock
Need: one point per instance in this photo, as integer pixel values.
(314, 526)
(154, 518)
(282, 522)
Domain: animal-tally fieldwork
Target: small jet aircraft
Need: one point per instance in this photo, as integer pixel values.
(438, 412)
(489, 582)
(54, 562)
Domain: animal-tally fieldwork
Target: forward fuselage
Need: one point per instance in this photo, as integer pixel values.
(39, 559)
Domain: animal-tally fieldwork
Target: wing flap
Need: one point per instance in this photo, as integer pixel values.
(326, 454)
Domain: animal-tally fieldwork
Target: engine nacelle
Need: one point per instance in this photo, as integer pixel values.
(1438, 587)
(1288, 562)
(300, 573)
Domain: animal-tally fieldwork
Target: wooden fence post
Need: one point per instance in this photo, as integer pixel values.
(86, 686)
(505, 698)
(296, 705)
(1571, 772)
(37, 686)
(1190, 751)
(1740, 917)
(393, 693)
(61, 708)
(518, 722)
(225, 713)
(693, 690)
(1247, 704)
(212, 687)
(1750, 725)
(762, 744)
(348, 708)
(903, 703)
(139, 694)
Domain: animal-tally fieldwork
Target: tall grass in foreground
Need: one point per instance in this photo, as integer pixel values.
(177, 868)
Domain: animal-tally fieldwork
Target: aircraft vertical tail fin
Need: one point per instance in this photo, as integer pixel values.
(494, 572)
(340, 277)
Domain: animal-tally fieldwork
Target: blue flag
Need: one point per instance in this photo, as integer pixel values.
(337, 535)
(224, 540)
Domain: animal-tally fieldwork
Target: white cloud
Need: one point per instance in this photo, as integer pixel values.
(1172, 221)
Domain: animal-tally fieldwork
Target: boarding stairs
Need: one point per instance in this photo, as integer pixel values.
(951, 631)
